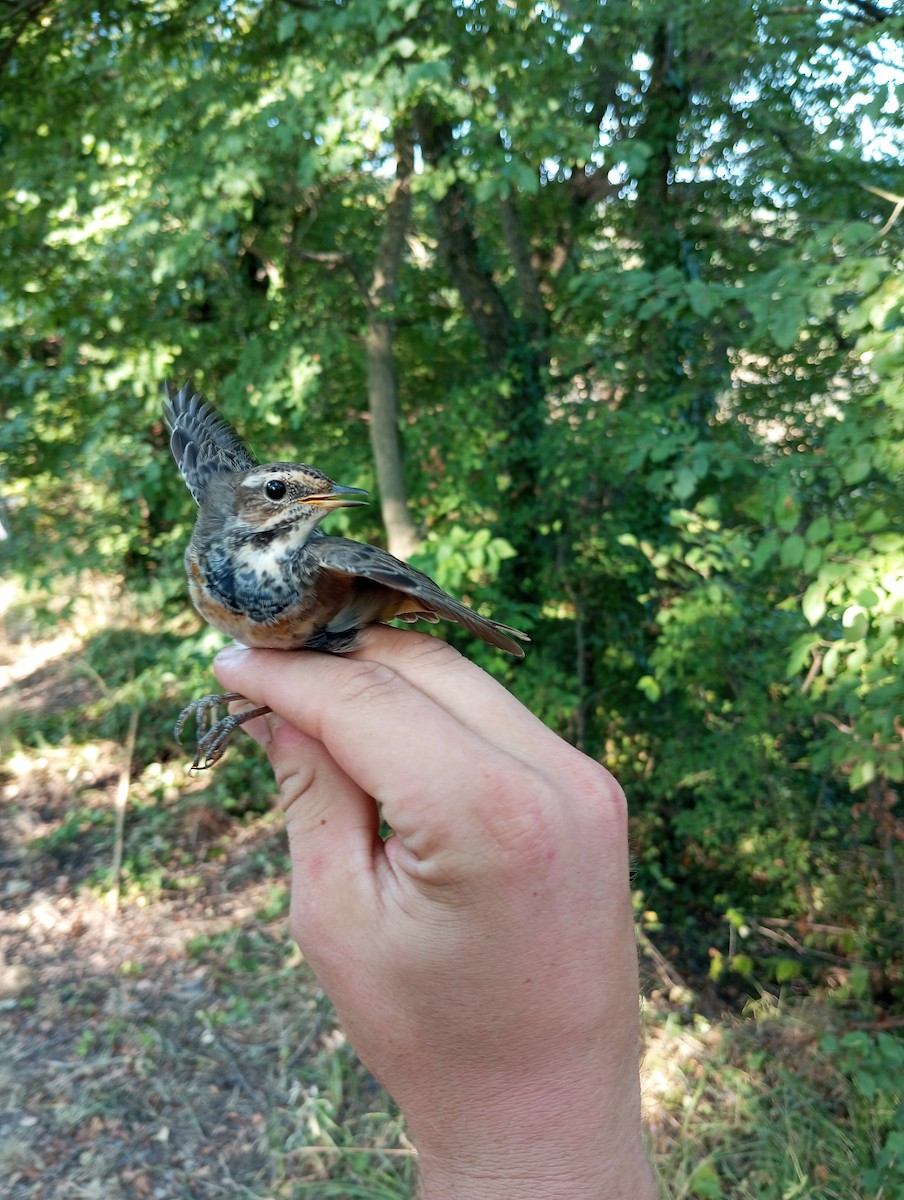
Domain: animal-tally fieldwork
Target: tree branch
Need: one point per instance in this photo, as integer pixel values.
(486, 306)
(334, 258)
(29, 10)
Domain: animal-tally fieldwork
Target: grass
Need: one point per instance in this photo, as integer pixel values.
(762, 1105)
(178, 1045)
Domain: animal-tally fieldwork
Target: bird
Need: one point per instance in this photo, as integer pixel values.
(261, 570)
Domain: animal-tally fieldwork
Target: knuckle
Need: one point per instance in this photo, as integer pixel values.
(369, 683)
(424, 647)
(593, 782)
(598, 801)
(522, 816)
(293, 779)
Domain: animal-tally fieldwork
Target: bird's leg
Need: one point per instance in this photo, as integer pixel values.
(214, 731)
(334, 643)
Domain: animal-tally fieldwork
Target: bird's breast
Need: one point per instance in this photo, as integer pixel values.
(267, 596)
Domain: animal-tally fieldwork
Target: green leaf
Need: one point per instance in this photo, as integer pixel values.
(818, 530)
(830, 662)
(856, 469)
(859, 980)
(787, 511)
(703, 299)
(800, 656)
(814, 602)
(864, 772)
(786, 969)
(812, 559)
(765, 549)
(894, 769)
(650, 688)
(705, 1183)
(793, 550)
(286, 26)
(784, 331)
(855, 622)
(685, 483)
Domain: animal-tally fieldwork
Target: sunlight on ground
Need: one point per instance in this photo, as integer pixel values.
(31, 656)
(24, 652)
(674, 1060)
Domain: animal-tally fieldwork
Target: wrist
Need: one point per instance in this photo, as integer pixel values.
(623, 1175)
(626, 1176)
(558, 1142)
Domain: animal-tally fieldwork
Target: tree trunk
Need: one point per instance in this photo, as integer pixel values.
(661, 339)
(401, 533)
(516, 348)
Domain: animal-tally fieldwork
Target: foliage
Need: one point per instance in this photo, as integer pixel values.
(771, 1107)
(875, 1064)
(649, 346)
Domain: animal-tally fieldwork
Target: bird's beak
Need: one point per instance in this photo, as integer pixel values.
(337, 498)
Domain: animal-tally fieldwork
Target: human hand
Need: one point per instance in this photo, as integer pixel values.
(482, 960)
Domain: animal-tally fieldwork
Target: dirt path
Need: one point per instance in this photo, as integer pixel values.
(177, 1047)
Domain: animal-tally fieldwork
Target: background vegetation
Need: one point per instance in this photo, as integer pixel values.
(603, 302)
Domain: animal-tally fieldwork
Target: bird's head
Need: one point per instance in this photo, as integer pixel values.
(286, 498)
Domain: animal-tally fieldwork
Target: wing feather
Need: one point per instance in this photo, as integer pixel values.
(203, 444)
(426, 599)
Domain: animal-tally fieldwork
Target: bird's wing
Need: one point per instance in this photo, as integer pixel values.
(202, 443)
(418, 595)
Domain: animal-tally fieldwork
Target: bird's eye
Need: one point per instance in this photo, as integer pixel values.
(274, 489)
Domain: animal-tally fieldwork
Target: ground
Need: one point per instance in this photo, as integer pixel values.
(173, 1043)
(162, 1036)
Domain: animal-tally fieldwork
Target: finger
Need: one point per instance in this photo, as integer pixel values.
(398, 744)
(330, 819)
(334, 841)
(465, 691)
(314, 792)
(482, 704)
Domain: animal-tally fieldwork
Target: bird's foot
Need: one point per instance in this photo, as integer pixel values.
(214, 731)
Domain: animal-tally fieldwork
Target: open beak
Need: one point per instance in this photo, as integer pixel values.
(337, 498)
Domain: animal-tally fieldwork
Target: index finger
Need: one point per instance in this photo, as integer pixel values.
(467, 692)
(435, 779)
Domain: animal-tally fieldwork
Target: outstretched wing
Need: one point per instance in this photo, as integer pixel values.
(417, 595)
(202, 443)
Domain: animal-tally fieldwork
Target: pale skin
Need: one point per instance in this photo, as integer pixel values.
(482, 960)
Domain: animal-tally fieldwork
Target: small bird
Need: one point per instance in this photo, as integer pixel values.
(260, 570)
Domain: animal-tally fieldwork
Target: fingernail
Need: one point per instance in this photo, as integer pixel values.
(232, 653)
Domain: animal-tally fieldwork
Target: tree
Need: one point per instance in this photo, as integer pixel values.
(615, 283)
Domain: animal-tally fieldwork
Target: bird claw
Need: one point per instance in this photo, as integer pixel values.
(214, 731)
